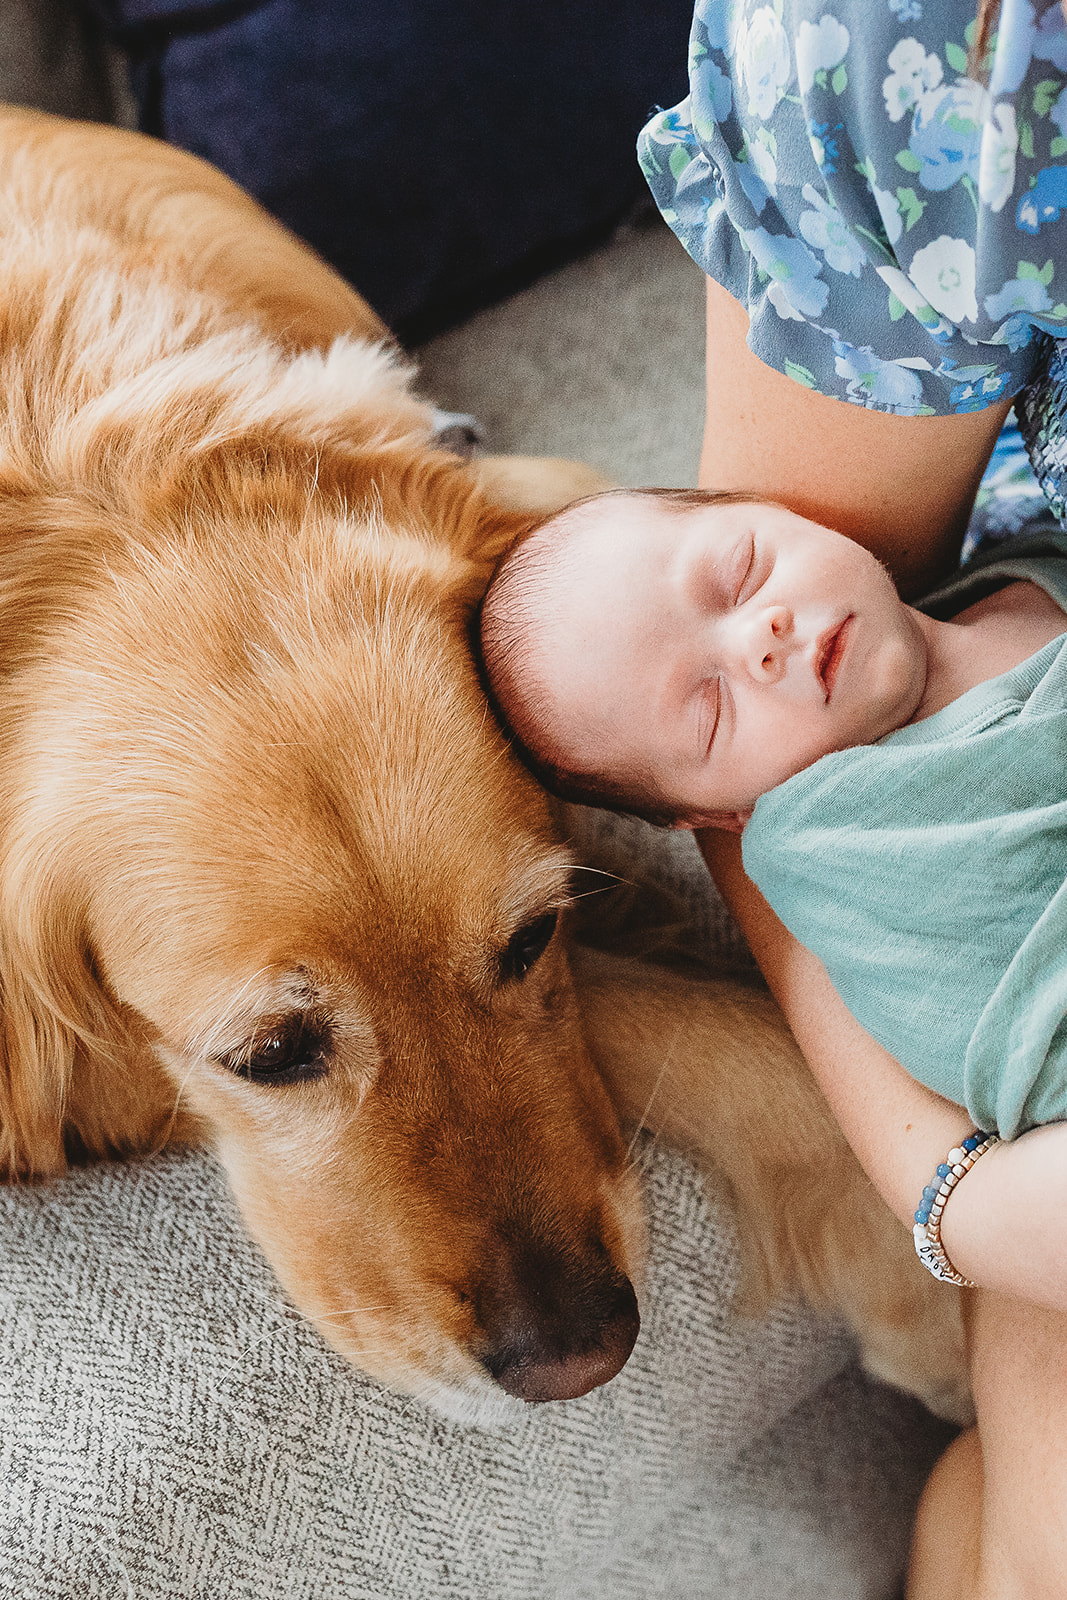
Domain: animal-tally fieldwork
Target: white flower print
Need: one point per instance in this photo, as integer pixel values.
(913, 73)
(888, 385)
(996, 162)
(1050, 43)
(1016, 32)
(763, 59)
(910, 298)
(780, 301)
(889, 211)
(821, 46)
(765, 166)
(826, 229)
(944, 274)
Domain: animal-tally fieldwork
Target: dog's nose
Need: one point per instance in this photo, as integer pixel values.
(559, 1346)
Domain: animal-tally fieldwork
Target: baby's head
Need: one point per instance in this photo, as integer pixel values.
(676, 653)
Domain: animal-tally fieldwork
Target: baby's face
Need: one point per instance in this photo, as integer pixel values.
(720, 649)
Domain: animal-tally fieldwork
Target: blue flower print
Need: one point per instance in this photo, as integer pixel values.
(978, 387)
(874, 382)
(796, 290)
(717, 99)
(1017, 30)
(826, 229)
(1016, 332)
(1018, 294)
(756, 191)
(824, 146)
(715, 22)
(838, 171)
(946, 133)
(1050, 43)
(722, 93)
(1044, 202)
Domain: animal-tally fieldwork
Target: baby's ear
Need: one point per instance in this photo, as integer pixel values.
(729, 821)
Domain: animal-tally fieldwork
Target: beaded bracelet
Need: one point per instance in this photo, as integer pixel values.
(927, 1230)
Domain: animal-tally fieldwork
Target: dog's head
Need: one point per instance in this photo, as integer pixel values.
(267, 860)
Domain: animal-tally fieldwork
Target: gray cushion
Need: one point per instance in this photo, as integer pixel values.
(170, 1426)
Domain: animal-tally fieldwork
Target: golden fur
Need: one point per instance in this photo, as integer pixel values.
(269, 876)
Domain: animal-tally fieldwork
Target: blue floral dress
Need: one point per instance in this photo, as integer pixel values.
(896, 228)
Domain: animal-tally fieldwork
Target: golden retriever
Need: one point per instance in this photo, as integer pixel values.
(269, 874)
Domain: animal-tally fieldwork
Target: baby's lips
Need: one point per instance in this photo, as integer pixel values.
(829, 652)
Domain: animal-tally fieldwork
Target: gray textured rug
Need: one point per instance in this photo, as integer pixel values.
(170, 1427)
(602, 361)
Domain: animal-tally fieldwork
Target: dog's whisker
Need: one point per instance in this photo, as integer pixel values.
(173, 1118)
(347, 1311)
(668, 1061)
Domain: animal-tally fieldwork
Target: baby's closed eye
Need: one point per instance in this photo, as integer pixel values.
(710, 701)
(744, 566)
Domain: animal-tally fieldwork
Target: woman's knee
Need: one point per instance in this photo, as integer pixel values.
(946, 1540)
(983, 1539)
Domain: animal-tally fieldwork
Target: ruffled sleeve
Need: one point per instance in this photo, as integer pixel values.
(893, 226)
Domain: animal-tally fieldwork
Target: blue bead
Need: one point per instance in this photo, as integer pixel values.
(923, 1213)
(973, 1142)
(943, 1170)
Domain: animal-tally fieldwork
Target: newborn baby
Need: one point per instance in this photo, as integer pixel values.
(899, 771)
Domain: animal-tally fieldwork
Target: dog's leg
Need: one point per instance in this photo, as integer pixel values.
(710, 1066)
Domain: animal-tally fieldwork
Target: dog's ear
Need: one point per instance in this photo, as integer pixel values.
(54, 1019)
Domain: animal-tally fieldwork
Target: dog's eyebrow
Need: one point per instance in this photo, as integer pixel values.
(543, 886)
(264, 993)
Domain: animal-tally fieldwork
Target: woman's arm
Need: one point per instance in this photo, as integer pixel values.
(902, 486)
(1006, 1224)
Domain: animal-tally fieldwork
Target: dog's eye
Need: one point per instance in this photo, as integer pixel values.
(526, 946)
(293, 1051)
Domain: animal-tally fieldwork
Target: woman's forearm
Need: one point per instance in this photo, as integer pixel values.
(902, 486)
(1006, 1225)
(898, 1129)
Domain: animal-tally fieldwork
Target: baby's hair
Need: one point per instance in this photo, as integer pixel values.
(501, 637)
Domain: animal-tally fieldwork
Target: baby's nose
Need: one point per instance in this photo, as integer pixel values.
(769, 642)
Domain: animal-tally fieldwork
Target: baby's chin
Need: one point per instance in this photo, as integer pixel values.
(907, 697)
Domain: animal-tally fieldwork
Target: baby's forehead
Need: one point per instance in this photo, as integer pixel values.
(613, 525)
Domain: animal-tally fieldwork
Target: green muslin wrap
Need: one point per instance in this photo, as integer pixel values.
(928, 873)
